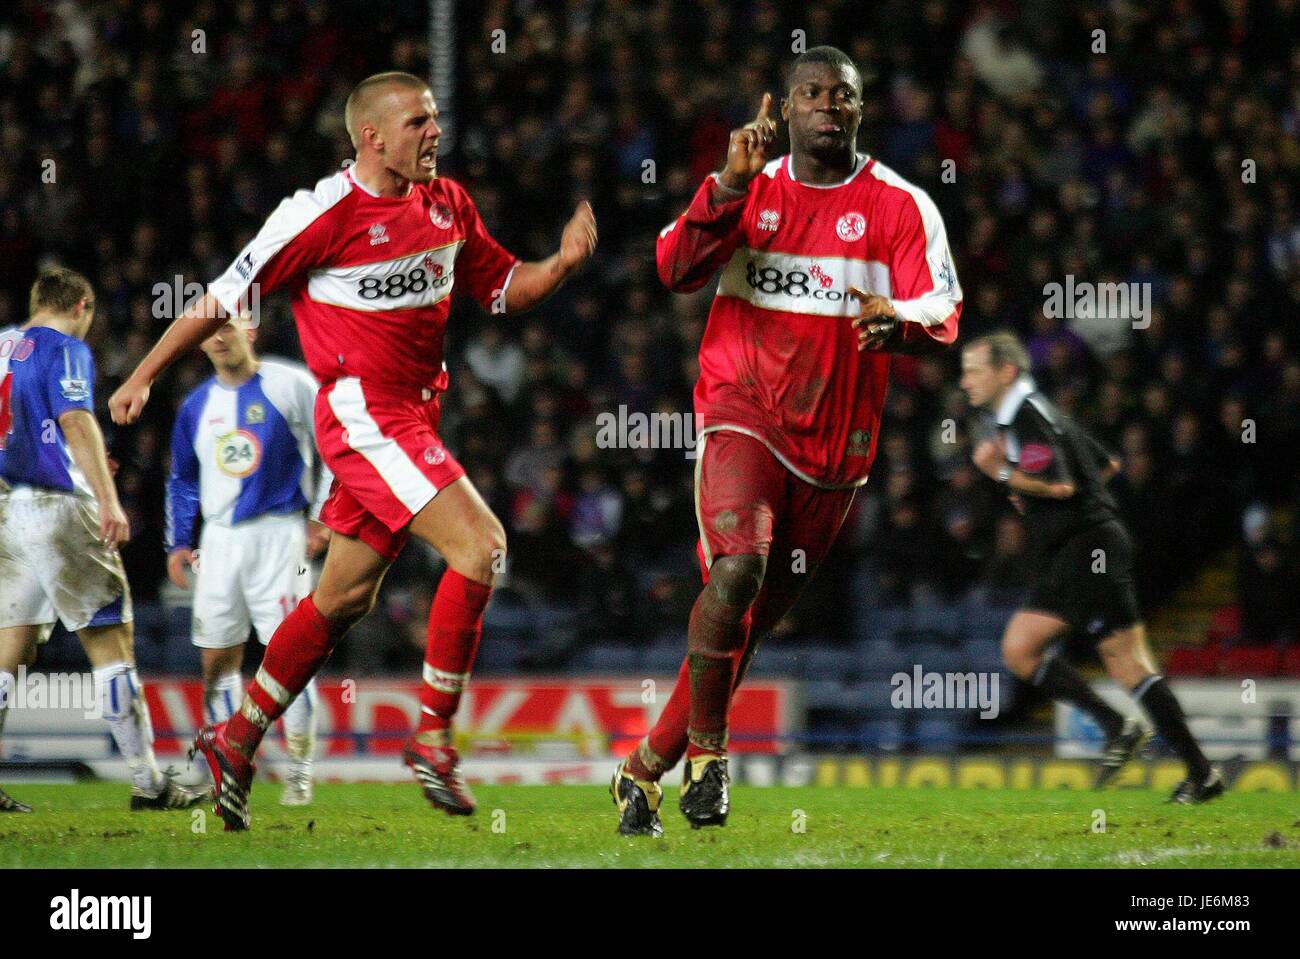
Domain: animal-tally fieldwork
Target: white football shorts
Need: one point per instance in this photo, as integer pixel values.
(54, 566)
(249, 575)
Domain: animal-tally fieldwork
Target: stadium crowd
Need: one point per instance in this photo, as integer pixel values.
(144, 142)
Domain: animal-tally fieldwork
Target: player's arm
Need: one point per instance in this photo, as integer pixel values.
(534, 281)
(1021, 482)
(700, 241)
(922, 315)
(292, 240)
(181, 509)
(199, 321)
(1041, 470)
(86, 447)
(500, 282)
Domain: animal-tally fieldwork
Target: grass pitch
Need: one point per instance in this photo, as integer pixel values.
(374, 825)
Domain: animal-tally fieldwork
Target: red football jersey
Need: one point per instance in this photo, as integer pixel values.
(779, 359)
(371, 277)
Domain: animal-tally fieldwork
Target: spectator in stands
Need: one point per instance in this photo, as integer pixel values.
(1269, 584)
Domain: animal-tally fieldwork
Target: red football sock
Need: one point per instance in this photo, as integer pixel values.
(296, 652)
(455, 627)
(716, 640)
(666, 743)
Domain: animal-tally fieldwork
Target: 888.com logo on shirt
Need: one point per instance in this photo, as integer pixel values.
(404, 282)
(814, 285)
(239, 453)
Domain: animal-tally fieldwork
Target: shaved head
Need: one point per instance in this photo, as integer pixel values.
(366, 101)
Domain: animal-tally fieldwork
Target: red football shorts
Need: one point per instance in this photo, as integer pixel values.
(387, 460)
(747, 501)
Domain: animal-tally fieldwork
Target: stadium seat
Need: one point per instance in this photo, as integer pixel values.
(881, 658)
(509, 623)
(883, 734)
(151, 657)
(613, 659)
(618, 659)
(831, 736)
(181, 659)
(938, 732)
(1225, 625)
(934, 658)
(984, 622)
(826, 695)
(497, 655)
(150, 638)
(62, 651)
(176, 624)
(549, 619)
(507, 616)
(775, 661)
(675, 636)
(1251, 661)
(663, 659)
(1191, 661)
(1009, 688)
(883, 625)
(148, 623)
(869, 698)
(937, 623)
(828, 662)
(984, 655)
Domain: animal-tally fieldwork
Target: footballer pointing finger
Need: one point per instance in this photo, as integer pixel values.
(789, 397)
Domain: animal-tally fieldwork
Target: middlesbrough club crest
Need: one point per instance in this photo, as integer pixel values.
(440, 214)
(851, 226)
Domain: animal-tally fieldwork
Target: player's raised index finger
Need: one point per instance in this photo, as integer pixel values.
(764, 107)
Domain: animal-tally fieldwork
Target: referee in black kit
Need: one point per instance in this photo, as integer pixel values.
(1083, 558)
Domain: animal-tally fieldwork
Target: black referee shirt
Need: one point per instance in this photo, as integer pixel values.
(1045, 444)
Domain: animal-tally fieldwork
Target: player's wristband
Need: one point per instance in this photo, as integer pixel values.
(1004, 475)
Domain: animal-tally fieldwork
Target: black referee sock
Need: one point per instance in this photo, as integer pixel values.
(1155, 696)
(1059, 680)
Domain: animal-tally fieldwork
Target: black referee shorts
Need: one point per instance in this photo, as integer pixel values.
(1092, 591)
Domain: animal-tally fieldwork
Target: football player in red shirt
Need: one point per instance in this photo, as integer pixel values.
(369, 258)
(829, 262)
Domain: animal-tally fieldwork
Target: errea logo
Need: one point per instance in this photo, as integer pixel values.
(378, 234)
(102, 913)
(769, 220)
